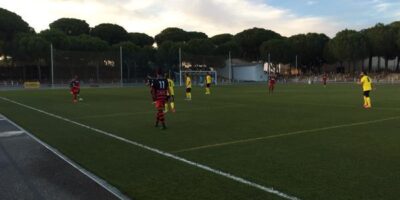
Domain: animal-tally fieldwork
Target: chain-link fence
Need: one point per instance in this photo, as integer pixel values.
(199, 65)
(92, 68)
(113, 67)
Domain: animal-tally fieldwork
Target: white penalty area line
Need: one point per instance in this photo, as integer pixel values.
(91, 176)
(286, 134)
(165, 154)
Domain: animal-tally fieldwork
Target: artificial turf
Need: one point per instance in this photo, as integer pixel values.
(326, 146)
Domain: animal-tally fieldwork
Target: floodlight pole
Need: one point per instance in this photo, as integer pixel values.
(230, 66)
(121, 64)
(52, 65)
(297, 72)
(180, 66)
(269, 64)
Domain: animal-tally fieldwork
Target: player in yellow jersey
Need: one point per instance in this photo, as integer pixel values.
(366, 84)
(188, 84)
(208, 83)
(170, 95)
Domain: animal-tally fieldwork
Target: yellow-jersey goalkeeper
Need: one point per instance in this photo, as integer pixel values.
(208, 83)
(366, 84)
(170, 95)
(188, 84)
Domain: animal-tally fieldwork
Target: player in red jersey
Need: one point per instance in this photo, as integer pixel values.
(75, 88)
(324, 79)
(271, 83)
(159, 87)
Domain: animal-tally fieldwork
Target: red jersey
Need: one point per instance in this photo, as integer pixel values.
(324, 79)
(272, 81)
(75, 86)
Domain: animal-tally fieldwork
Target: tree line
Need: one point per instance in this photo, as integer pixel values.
(19, 42)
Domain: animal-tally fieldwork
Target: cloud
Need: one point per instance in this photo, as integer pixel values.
(386, 10)
(152, 16)
(380, 5)
(310, 3)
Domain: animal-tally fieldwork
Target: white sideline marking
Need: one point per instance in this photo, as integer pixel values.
(93, 177)
(169, 155)
(286, 134)
(10, 133)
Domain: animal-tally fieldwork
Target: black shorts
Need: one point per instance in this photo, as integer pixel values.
(188, 90)
(366, 93)
(208, 85)
(170, 98)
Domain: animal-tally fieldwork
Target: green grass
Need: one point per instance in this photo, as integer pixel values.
(346, 161)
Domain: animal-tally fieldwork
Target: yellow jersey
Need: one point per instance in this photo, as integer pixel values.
(171, 86)
(188, 82)
(208, 79)
(366, 83)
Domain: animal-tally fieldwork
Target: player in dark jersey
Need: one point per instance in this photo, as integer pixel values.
(159, 87)
(75, 88)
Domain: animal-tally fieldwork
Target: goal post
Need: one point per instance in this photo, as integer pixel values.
(198, 77)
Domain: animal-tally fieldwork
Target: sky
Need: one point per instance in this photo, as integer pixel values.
(287, 17)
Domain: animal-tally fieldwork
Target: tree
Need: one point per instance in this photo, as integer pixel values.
(178, 35)
(70, 26)
(350, 46)
(381, 42)
(195, 35)
(137, 60)
(371, 51)
(221, 39)
(10, 25)
(389, 44)
(141, 39)
(56, 37)
(148, 56)
(33, 48)
(131, 54)
(171, 34)
(199, 52)
(199, 47)
(278, 50)
(231, 46)
(87, 43)
(396, 27)
(250, 41)
(314, 43)
(167, 54)
(110, 33)
(329, 57)
(1, 46)
(398, 51)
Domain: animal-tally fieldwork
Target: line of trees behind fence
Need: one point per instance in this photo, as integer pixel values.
(20, 43)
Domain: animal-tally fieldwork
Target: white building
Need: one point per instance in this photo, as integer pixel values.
(243, 71)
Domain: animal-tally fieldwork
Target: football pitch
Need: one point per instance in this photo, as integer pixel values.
(302, 142)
